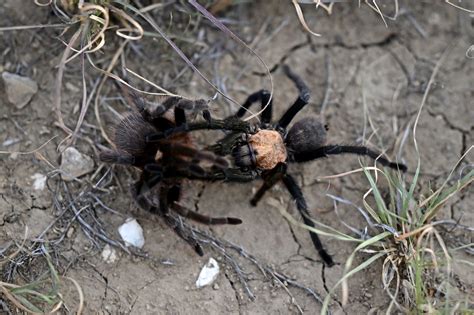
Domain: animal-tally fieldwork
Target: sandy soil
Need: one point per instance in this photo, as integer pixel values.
(385, 67)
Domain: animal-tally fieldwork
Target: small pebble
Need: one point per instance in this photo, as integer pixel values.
(208, 273)
(75, 164)
(19, 89)
(70, 232)
(215, 286)
(39, 181)
(132, 233)
(109, 254)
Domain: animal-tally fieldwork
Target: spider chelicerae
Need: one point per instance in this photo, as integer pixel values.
(159, 188)
(264, 150)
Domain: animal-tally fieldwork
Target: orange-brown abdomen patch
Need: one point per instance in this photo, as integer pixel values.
(269, 147)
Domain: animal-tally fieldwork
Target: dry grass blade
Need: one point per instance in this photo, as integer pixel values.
(224, 29)
(300, 15)
(99, 37)
(59, 81)
(29, 152)
(30, 27)
(459, 7)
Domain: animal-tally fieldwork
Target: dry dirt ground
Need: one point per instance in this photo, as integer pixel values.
(356, 60)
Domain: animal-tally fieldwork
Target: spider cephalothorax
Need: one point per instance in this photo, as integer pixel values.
(160, 162)
(264, 150)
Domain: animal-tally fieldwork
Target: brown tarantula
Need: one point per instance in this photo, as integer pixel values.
(161, 160)
(264, 150)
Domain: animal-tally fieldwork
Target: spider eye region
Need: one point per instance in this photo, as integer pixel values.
(269, 148)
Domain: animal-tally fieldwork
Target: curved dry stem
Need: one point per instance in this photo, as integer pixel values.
(223, 28)
(29, 152)
(137, 28)
(100, 35)
(80, 308)
(459, 7)
(300, 15)
(59, 80)
(45, 4)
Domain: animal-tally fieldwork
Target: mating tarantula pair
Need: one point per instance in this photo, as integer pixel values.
(159, 143)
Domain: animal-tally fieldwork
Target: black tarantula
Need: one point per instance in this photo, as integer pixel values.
(264, 150)
(161, 160)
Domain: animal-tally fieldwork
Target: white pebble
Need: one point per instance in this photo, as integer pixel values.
(109, 255)
(132, 233)
(208, 273)
(39, 181)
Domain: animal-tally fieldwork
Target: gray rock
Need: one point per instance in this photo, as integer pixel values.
(75, 164)
(19, 89)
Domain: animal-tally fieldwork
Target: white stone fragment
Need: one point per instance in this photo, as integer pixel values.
(75, 164)
(208, 273)
(109, 254)
(39, 181)
(132, 233)
(19, 89)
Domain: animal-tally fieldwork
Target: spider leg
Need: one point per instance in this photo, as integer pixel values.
(194, 107)
(174, 150)
(270, 179)
(231, 124)
(302, 207)
(346, 149)
(301, 101)
(201, 218)
(177, 226)
(112, 156)
(264, 97)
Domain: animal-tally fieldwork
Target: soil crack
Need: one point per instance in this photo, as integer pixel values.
(323, 276)
(236, 292)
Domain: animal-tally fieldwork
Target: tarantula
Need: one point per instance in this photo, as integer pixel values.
(265, 149)
(161, 160)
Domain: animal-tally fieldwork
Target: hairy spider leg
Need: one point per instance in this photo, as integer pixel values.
(175, 149)
(175, 224)
(169, 197)
(264, 97)
(302, 207)
(301, 101)
(204, 219)
(111, 156)
(230, 124)
(345, 149)
(270, 178)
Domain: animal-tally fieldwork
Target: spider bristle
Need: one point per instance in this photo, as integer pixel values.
(243, 155)
(110, 156)
(131, 133)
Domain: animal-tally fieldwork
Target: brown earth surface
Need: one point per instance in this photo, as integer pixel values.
(356, 61)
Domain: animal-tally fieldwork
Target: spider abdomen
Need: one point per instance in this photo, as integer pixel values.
(306, 134)
(130, 134)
